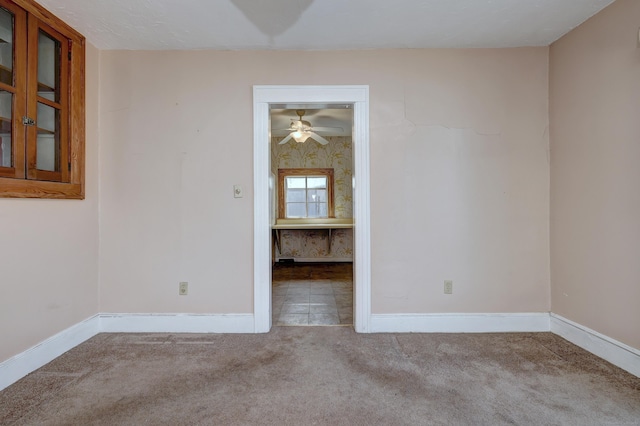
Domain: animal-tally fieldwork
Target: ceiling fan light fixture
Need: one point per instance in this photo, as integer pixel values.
(301, 137)
(301, 130)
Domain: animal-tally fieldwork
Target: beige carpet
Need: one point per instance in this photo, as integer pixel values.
(324, 375)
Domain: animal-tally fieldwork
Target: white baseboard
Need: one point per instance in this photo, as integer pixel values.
(177, 323)
(617, 353)
(609, 349)
(460, 323)
(317, 259)
(46, 351)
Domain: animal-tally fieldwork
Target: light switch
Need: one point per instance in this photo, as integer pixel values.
(237, 191)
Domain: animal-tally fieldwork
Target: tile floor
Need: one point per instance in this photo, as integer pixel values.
(312, 294)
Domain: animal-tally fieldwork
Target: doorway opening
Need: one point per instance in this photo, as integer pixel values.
(264, 98)
(312, 214)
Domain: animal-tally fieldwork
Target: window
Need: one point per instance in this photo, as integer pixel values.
(305, 193)
(41, 104)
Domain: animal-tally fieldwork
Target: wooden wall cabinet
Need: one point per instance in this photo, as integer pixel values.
(42, 104)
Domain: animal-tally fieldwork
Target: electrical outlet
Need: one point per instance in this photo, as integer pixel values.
(448, 287)
(183, 288)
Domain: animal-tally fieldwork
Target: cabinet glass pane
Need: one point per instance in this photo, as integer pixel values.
(6, 47)
(48, 67)
(6, 101)
(48, 146)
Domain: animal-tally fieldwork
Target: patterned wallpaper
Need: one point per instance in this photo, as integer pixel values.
(337, 154)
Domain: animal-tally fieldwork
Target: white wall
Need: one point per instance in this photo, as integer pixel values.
(595, 173)
(460, 176)
(49, 251)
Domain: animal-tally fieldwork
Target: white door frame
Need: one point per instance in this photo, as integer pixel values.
(358, 96)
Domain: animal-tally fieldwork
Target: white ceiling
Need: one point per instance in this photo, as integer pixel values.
(321, 24)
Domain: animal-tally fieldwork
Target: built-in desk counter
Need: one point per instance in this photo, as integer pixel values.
(328, 224)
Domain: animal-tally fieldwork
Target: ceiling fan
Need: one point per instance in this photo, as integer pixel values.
(301, 130)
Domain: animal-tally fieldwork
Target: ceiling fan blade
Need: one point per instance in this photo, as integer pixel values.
(316, 137)
(285, 140)
(327, 129)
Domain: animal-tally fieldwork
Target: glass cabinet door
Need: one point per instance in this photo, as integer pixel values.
(11, 87)
(48, 155)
